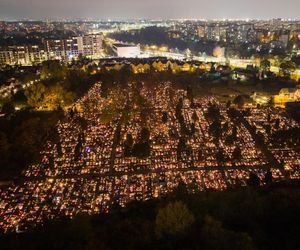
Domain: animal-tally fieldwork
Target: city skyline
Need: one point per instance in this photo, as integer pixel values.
(133, 9)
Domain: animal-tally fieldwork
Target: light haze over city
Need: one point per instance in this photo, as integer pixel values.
(156, 9)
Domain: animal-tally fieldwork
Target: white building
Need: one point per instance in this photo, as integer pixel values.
(125, 50)
(219, 52)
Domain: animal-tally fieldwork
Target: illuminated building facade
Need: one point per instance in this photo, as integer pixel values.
(125, 50)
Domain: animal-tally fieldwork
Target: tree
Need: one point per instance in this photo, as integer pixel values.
(225, 128)
(239, 101)
(179, 107)
(81, 226)
(193, 128)
(145, 135)
(234, 133)
(220, 156)
(181, 147)
(228, 104)
(35, 95)
(128, 145)
(19, 97)
(164, 117)
(287, 68)
(237, 154)
(173, 219)
(4, 146)
(57, 96)
(215, 129)
(268, 177)
(141, 149)
(265, 65)
(52, 97)
(8, 108)
(229, 140)
(53, 69)
(195, 116)
(253, 180)
(215, 236)
(213, 113)
(180, 191)
(28, 139)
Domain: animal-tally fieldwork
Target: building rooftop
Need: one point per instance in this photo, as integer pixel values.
(123, 45)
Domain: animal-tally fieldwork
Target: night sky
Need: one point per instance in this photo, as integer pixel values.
(125, 9)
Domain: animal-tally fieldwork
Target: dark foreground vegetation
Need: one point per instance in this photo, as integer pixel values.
(22, 135)
(25, 132)
(248, 218)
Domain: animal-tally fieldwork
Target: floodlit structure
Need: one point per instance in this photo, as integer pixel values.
(126, 50)
(219, 52)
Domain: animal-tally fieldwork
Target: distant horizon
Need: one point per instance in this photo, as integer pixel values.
(155, 9)
(146, 19)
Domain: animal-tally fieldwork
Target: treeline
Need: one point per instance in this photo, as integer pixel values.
(22, 136)
(159, 36)
(24, 133)
(264, 218)
(59, 86)
(142, 146)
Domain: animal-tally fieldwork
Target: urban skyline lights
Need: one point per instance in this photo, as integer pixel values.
(128, 9)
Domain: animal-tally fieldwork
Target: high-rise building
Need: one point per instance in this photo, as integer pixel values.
(6, 57)
(24, 55)
(89, 45)
(284, 39)
(251, 35)
(201, 31)
(223, 33)
(67, 49)
(216, 32)
(295, 34)
(212, 33)
(63, 49)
